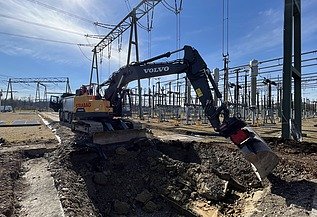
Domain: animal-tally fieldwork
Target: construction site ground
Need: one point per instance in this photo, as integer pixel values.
(184, 170)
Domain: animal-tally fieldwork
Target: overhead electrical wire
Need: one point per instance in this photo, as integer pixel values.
(52, 8)
(225, 28)
(84, 54)
(168, 6)
(43, 39)
(127, 3)
(176, 10)
(42, 25)
(61, 11)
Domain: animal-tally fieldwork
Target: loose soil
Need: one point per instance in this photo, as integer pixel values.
(10, 168)
(166, 178)
(180, 178)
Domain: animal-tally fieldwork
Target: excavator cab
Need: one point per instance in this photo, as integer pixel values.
(122, 105)
(55, 103)
(126, 103)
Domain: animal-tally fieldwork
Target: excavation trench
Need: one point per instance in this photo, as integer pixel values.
(27, 187)
(157, 178)
(170, 178)
(148, 177)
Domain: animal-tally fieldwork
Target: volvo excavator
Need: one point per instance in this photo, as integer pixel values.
(99, 112)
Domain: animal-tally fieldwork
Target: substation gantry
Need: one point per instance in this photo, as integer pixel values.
(292, 35)
(130, 21)
(39, 82)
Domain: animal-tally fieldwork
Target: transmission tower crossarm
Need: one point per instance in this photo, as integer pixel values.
(39, 80)
(138, 12)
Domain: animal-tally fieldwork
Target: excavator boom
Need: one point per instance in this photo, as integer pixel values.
(255, 150)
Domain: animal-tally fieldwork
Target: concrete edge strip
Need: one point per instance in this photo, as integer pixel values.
(20, 125)
(47, 123)
(44, 177)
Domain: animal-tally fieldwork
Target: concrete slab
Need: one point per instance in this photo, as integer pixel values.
(180, 137)
(32, 122)
(33, 149)
(18, 123)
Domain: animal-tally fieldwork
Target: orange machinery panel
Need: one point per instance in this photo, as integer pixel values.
(90, 104)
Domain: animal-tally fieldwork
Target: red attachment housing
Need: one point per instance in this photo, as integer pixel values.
(239, 136)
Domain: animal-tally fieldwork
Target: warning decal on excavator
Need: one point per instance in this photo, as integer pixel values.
(199, 92)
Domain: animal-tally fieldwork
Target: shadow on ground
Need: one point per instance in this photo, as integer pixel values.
(299, 193)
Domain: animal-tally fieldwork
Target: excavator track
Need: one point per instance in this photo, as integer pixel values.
(120, 136)
(118, 131)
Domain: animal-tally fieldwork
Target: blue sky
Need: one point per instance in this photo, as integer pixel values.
(255, 32)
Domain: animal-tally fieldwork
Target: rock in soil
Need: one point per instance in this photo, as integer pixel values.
(121, 208)
(144, 196)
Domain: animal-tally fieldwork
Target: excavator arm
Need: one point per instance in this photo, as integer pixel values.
(255, 150)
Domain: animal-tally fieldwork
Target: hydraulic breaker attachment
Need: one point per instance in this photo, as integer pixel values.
(253, 147)
(256, 151)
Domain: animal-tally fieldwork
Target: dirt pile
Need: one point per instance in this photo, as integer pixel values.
(145, 177)
(298, 159)
(156, 178)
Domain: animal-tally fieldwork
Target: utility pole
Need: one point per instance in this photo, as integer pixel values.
(226, 78)
(216, 79)
(269, 83)
(225, 48)
(237, 91)
(245, 102)
(129, 22)
(292, 42)
(0, 99)
(254, 71)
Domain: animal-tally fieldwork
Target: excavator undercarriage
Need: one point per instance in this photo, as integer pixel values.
(111, 131)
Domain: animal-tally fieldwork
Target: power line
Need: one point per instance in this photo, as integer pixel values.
(71, 14)
(225, 27)
(61, 11)
(84, 53)
(43, 39)
(1, 75)
(42, 25)
(169, 7)
(127, 3)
